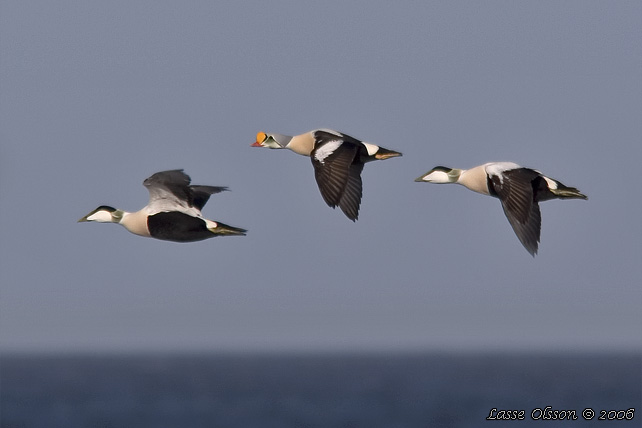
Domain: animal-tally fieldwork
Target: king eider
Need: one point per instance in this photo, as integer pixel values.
(173, 212)
(519, 190)
(338, 160)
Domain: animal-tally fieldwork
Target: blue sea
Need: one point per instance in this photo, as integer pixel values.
(325, 391)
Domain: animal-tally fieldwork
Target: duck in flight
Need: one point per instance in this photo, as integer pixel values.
(173, 212)
(519, 189)
(338, 160)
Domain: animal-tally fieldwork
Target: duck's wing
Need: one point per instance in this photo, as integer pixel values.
(515, 190)
(528, 232)
(351, 198)
(171, 191)
(201, 194)
(168, 191)
(338, 173)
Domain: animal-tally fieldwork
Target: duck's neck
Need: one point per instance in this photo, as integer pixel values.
(302, 144)
(474, 179)
(135, 222)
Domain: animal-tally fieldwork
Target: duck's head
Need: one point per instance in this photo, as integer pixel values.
(271, 141)
(104, 214)
(440, 175)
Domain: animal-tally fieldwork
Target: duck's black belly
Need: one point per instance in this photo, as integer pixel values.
(178, 227)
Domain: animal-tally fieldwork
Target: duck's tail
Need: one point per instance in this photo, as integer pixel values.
(564, 192)
(223, 229)
(385, 154)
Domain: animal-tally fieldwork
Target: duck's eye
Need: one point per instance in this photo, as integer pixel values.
(261, 137)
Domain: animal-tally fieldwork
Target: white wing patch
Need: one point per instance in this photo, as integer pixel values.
(497, 169)
(327, 149)
(159, 205)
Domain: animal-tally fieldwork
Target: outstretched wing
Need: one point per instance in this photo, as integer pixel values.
(169, 186)
(338, 172)
(515, 190)
(171, 191)
(201, 194)
(351, 198)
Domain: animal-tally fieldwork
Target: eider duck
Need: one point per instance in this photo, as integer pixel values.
(338, 160)
(519, 190)
(173, 212)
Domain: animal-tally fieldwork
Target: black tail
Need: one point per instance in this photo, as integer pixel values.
(564, 192)
(226, 230)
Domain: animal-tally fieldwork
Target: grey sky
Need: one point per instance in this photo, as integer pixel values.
(97, 96)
